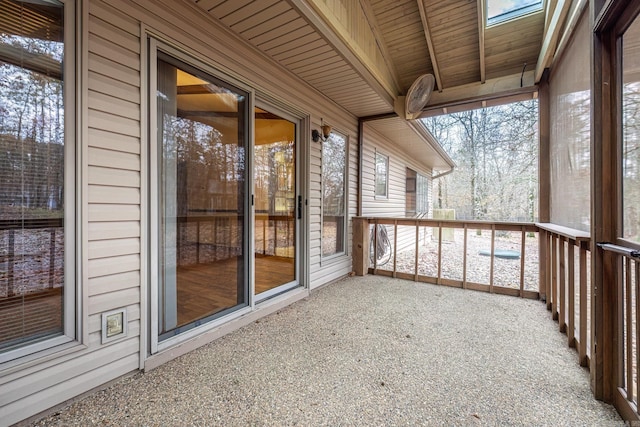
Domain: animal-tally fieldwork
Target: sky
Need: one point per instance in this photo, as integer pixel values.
(498, 7)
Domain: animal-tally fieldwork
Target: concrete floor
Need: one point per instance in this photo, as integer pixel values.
(366, 351)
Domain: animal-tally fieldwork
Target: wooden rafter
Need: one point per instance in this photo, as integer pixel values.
(572, 22)
(384, 50)
(432, 53)
(492, 88)
(549, 8)
(481, 27)
(551, 36)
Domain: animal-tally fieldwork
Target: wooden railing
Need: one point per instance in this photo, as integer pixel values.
(628, 266)
(430, 235)
(563, 251)
(218, 236)
(37, 248)
(552, 263)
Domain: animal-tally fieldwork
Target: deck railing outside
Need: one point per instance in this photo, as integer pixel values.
(628, 263)
(530, 260)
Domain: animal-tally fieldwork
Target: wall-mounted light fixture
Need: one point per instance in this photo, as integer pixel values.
(317, 136)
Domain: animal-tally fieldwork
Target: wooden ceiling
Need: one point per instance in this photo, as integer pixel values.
(365, 54)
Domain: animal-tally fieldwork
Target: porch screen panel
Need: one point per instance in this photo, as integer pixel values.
(32, 161)
(570, 134)
(631, 132)
(202, 139)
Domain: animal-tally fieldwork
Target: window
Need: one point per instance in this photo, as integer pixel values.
(499, 11)
(382, 175)
(422, 195)
(334, 178)
(36, 172)
(416, 201)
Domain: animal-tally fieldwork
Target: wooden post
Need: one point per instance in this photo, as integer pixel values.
(554, 277)
(522, 255)
(417, 255)
(562, 316)
(544, 185)
(493, 250)
(360, 252)
(544, 267)
(571, 328)
(464, 259)
(582, 351)
(439, 280)
(605, 332)
(395, 247)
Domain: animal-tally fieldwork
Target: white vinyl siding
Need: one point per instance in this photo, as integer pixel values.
(111, 233)
(395, 203)
(111, 145)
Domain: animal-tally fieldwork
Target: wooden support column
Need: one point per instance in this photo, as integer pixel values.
(604, 296)
(360, 252)
(544, 192)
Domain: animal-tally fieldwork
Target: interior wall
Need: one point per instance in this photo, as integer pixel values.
(570, 140)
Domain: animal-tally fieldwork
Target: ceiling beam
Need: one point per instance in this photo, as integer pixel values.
(432, 53)
(550, 41)
(550, 7)
(481, 26)
(569, 28)
(491, 89)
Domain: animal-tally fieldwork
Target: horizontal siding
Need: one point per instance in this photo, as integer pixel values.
(114, 282)
(113, 162)
(104, 212)
(113, 300)
(65, 370)
(81, 377)
(114, 177)
(395, 204)
(99, 139)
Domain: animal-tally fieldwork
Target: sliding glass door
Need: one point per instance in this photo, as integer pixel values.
(276, 203)
(202, 128)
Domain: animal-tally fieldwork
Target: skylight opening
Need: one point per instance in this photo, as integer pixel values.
(499, 11)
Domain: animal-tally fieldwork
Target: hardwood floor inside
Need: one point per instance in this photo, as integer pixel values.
(207, 289)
